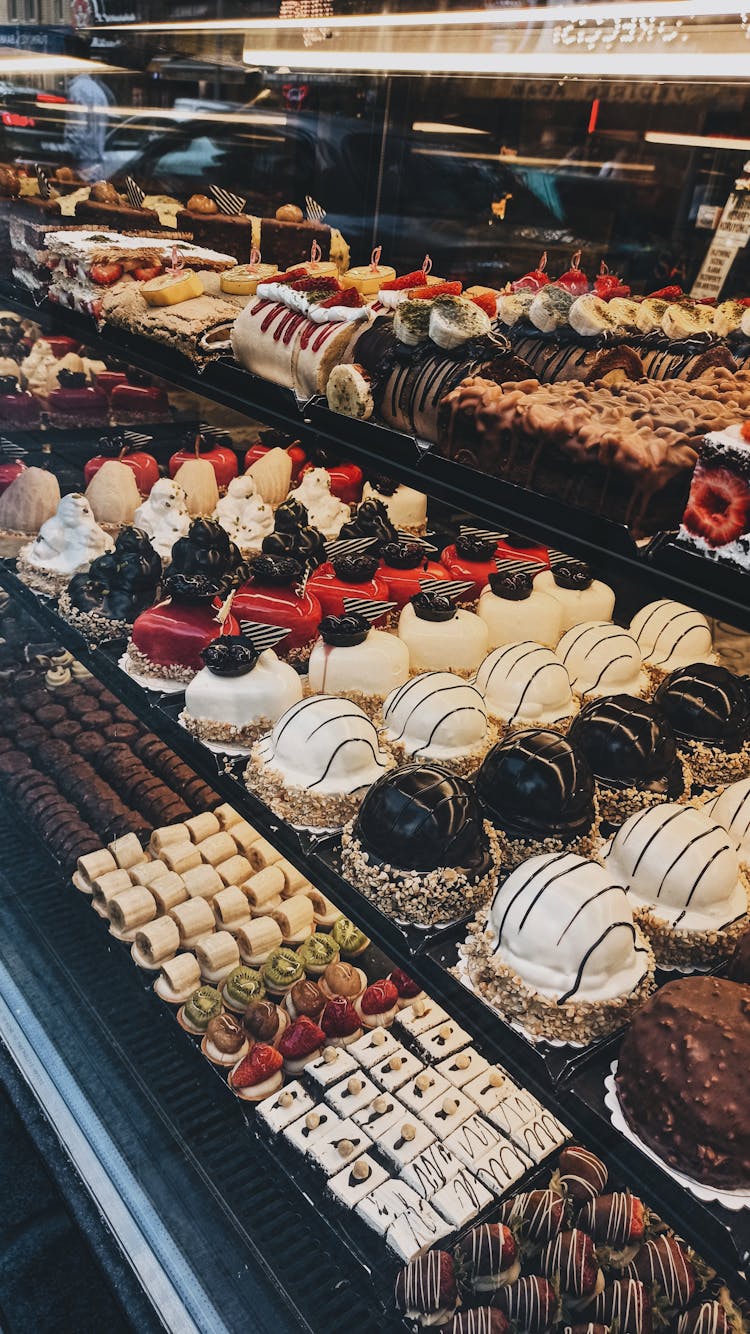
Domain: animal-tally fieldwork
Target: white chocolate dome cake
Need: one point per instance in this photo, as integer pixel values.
(671, 635)
(239, 693)
(558, 949)
(526, 683)
(683, 877)
(513, 609)
(441, 638)
(602, 659)
(352, 658)
(731, 809)
(437, 716)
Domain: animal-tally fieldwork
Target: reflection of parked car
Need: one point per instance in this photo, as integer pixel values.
(433, 193)
(32, 124)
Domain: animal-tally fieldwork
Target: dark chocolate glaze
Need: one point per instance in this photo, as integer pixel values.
(534, 784)
(422, 817)
(707, 703)
(629, 743)
(344, 631)
(122, 583)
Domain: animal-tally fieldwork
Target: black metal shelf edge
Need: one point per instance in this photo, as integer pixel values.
(668, 570)
(711, 1232)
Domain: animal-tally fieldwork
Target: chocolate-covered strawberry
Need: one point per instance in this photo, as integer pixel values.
(482, 1320)
(490, 1256)
(706, 1318)
(534, 1214)
(665, 1264)
(531, 1303)
(426, 1289)
(615, 1220)
(626, 1303)
(570, 1261)
(582, 1175)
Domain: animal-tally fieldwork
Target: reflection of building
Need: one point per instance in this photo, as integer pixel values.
(79, 12)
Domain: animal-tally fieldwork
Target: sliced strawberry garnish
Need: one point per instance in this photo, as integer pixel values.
(486, 302)
(379, 997)
(291, 276)
(534, 280)
(718, 508)
(144, 275)
(262, 1062)
(407, 280)
(301, 1038)
(348, 297)
(312, 284)
(339, 1018)
(106, 274)
(574, 280)
(429, 292)
(406, 987)
(672, 293)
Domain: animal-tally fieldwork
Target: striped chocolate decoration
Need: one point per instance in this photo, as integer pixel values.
(134, 192)
(348, 546)
(512, 566)
(448, 588)
(467, 530)
(263, 636)
(228, 202)
(10, 450)
(371, 611)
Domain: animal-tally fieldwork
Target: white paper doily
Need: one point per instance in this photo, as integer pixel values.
(729, 1199)
(534, 1038)
(160, 684)
(218, 747)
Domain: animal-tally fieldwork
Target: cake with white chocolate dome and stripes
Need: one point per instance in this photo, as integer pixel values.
(438, 716)
(525, 684)
(558, 952)
(671, 635)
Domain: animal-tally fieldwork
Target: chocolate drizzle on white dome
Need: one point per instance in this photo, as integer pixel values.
(326, 745)
(670, 635)
(602, 658)
(437, 716)
(525, 681)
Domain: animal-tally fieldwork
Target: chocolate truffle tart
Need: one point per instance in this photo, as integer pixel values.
(558, 952)
(538, 793)
(709, 710)
(632, 752)
(419, 847)
(682, 1079)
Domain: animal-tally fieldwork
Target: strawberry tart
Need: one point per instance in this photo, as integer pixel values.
(716, 521)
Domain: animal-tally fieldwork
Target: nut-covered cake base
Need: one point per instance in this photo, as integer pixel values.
(42, 581)
(208, 729)
(692, 949)
(145, 667)
(713, 767)
(617, 804)
(463, 765)
(515, 851)
(299, 805)
(89, 624)
(419, 898)
(575, 1021)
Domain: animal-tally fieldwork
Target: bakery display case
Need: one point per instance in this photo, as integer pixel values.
(375, 759)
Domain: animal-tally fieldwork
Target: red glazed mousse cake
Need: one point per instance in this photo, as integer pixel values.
(475, 555)
(137, 402)
(76, 402)
(403, 567)
(168, 639)
(272, 597)
(348, 576)
(17, 406)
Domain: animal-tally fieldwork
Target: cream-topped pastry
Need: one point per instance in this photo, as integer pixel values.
(317, 763)
(351, 658)
(407, 508)
(581, 596)
(437, 716)
(671, 635)
(559, 950)
(731, 809)
(685, 321)
(683, 878)
(625, 312)
(66, 544)
(650, 314)
(526, 683)
(550, 308)
(164, 516)
(512, 608)
(244, 515)
(728, 317)
(602, 659)
(589, 316)
(512, 307)
(240, 693)
(324, 510)
(440, 638)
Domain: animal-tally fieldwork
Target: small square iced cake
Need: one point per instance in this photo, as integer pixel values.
(352, 1094)
(432, 1170)
(514, 1110)
(416, 1230)
(335, 1064)
(405, 1140)
(334, 1150)
(284, 1107)
(461, 1199)
(488, 1089)
(540, 1137)
(443, 1040)
(396, 1070)
(462, 1067)
(357, 1181)
(380, 1115)
(303, 1133)
(423, 1089)
(374, 1047)
(420, 1016)
(501, 1167)
(385, 1203)
(472, 1140)
(444, 1115)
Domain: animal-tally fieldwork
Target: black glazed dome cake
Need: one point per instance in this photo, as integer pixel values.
(707, 703)
(628, 743)
(421, 818)
(535, 785)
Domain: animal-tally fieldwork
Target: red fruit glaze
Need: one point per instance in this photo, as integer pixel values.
(431, 290)
(108, 380)
(139, 402)
(379, 998)
(346, 478)
(144, 466)
(19, 408)
(9, 472)
(331, 591)
(339, 1018)
(61, 345)
(262, 1062)
(718, 508)
(406, 987)
(176, 632)
(403, 585)
(301, 1038)
(88, 405)
(272, 604)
